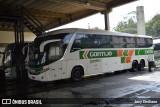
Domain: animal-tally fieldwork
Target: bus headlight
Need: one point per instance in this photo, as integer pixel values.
(7, 63)
(37, 71)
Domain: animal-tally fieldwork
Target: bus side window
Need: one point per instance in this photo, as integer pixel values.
(149, 42)
(130, 42)
(99, 41)
(79, 42)
(108, 41)
(141, 43)
(118, 42)
(122, 42)
(157, 47)
(66, 40)
(114, 42)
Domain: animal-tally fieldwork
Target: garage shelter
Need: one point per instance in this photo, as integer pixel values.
(38, 16)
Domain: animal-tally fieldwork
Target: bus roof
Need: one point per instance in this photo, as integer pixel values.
(91, 31)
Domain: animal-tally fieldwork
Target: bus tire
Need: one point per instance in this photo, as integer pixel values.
(76, 74)
(134, 66)
(141, 65)
(151, 65)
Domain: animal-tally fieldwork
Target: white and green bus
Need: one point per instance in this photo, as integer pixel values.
(156, 44)
(75, 53)
(11, 55)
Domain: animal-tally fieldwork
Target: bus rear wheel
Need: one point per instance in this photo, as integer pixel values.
(141, 65)
(76, 74)
(134, 66)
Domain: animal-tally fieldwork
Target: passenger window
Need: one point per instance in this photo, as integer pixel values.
(78, 42)
(149, 42)
(83, 41)
(122, 43)
(108, 41)
(130, 42)
(115, 42)
(118, 42)
(157, 47)
(66, 40)
(141, 43)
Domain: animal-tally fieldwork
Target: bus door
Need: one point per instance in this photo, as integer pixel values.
(54, 56)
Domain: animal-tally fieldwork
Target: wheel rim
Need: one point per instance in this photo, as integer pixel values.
(77, 74)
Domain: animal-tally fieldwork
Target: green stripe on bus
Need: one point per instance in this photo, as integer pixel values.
(111, 53)
(144, 51)
(81, 54)
(37, 69)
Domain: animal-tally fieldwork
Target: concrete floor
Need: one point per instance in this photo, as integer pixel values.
(131, 86)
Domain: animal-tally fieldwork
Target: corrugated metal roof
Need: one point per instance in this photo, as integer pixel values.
(54, 13)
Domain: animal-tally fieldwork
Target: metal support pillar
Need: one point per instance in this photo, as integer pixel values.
(2, 79)
(2, 74)
(24, 76)
(19, 58)
(16, 31)
(106, 18)
(15, 51)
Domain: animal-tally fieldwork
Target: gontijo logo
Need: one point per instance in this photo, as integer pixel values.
(97, 54)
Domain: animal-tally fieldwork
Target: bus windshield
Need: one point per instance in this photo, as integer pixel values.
(36, 58)
(8, 55)
(53, 50)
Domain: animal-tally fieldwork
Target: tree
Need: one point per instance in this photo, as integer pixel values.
(153, 26)
(128, 25)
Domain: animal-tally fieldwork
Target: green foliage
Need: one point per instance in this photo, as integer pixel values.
(128, 25)
(153, 26)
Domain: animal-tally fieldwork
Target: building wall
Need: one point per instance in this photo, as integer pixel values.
(2, 49)
(7, 37)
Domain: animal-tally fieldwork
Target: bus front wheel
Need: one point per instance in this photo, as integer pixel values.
(76, 74)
